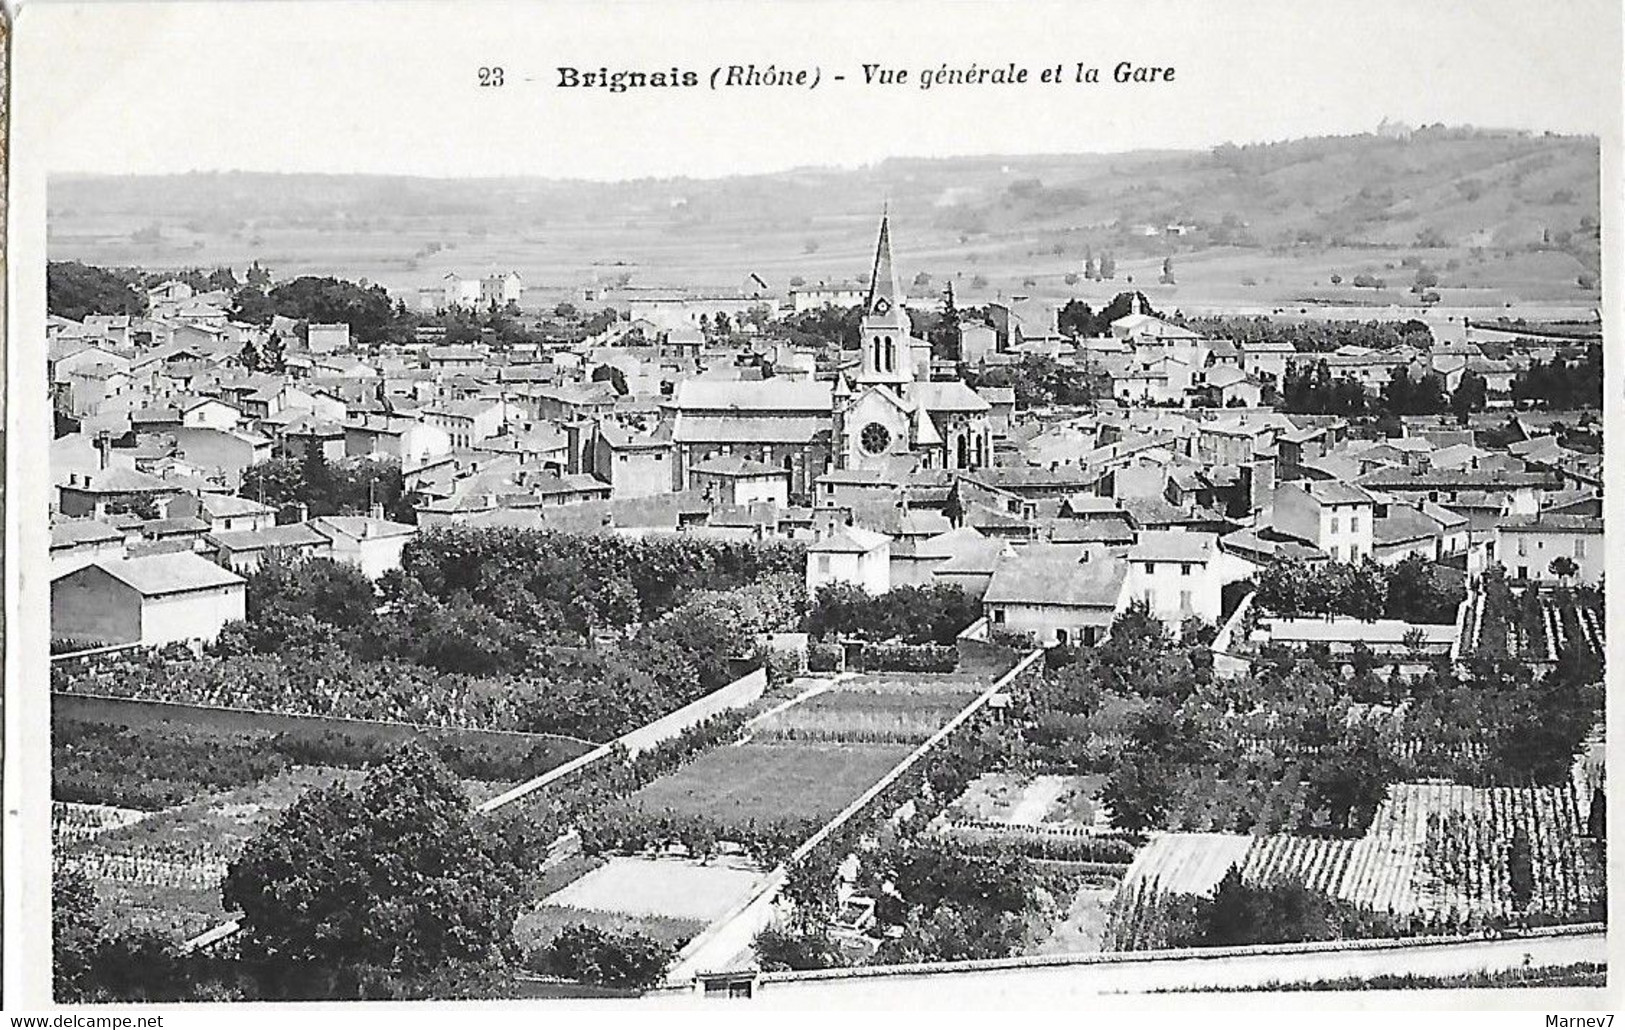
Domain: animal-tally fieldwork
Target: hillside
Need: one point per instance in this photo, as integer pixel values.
(1500, 216)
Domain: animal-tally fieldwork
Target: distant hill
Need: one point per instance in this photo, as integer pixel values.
(1512, 211)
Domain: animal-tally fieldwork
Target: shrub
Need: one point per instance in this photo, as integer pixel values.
(910, 657)
(633, 961)
(824, 657)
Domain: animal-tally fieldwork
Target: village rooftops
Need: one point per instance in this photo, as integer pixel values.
(162, 574)
(1333, 491)
(848, 540)
(78, 532)
(765, 395)
(230, 506)
(1074, 576)
(1451, 479)
(1550, 522)
(299, 534)
(119, 480)
(359, 527)
(1172, 546)
(736, 467)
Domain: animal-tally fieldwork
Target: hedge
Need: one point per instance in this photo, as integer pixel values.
(909, 657)
(824, 657)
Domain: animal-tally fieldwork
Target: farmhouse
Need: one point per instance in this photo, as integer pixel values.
(1528, 545)
(1056, 593)
(159, 599)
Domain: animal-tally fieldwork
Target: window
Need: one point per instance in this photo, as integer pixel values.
(1523, 546)
(1334, 525)
(1185, 568)
(1185, 601)
(1580, 548)
(998, 615)
(823, 564)
(1150, 568)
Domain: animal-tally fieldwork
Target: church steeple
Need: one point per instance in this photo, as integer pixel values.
(885, 294)
(887, 355)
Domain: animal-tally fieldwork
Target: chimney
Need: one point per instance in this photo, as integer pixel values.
(376, 511)
(104, 442)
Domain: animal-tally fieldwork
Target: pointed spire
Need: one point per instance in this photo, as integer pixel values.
(841, 387)
(885, 294)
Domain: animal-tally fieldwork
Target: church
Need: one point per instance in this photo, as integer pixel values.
(894, 409)
(890, 416)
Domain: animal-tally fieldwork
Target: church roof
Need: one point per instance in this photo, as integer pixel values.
(949, 395)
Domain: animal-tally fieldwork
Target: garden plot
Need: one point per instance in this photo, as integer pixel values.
(1047, 801)
(1434, 853)
(874, 709)
(73, 822)
(770, 781)
(670, 888)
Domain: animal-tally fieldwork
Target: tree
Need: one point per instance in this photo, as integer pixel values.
(1167, 271)
(1239, 914)
(1472, 394)
(1564, 567)
(630, 960)
(373, 892)
(1108, 266)
(74, 290)
(612, 375)
(1139, 794)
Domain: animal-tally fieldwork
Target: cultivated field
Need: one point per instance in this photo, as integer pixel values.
(659, 887)
(1027, 800)
(1435, 853)
(762, 781)
(874, 709)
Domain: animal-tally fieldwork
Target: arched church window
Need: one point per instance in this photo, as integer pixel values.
(875, 438)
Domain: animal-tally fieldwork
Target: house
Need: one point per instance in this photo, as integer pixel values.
(1329, 514)
(76, 543)
(468, 422)
(227, 513)
(1055, 593)
(327, 337)
(243, 550)
(1181, 575)
(852, 555)
(633, 464)
(402, 437)
(500, 289)
(222, 454)
(154, 600)
(112, 491)
(1526, 545)
(370, 543)
(732, 479)
(1224, 386)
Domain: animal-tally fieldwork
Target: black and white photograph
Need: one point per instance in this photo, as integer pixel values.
(815, 506)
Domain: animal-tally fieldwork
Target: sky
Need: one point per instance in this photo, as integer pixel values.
(390, 86)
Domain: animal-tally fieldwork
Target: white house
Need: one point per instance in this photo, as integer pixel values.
(153, 600)
(1528, 544)
(1181, 575)
(372, 544)
(1332, 515)
(1055, 593)
(853, 555)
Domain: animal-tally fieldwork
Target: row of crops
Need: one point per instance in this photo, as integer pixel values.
(1436, 855)
(1533, 624)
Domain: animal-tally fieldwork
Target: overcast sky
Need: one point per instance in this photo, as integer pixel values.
(389, 86)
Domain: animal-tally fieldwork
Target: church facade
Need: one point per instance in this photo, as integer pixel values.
(894, 409)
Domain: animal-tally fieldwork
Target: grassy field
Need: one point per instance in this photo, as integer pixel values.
(869, 710)
(771, 781)
(668, 888)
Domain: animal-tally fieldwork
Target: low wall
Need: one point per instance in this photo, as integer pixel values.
(135, 713)
(1226, 663)
(741, 692)
(737, 694)
(1197, 968)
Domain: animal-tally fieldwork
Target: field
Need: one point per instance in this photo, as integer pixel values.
(762, 781)
(539, 926)
(1436, 854)
(163, 872)
(1276, 223)
(659, 887)
(1021, 800)
(873, 709)
(1536, 625)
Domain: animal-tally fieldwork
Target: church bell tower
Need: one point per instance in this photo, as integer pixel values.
(887, 356)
